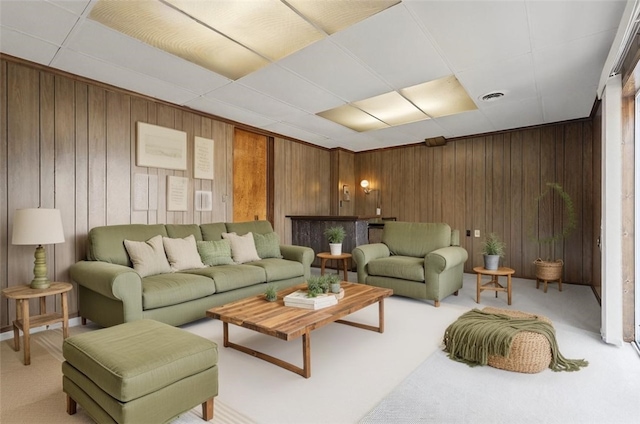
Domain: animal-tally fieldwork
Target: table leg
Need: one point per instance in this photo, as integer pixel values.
(65, 316)
(509, 289)
(381, 315)
(323, 261)
(344, 267)
(306, 354)
(43, 305)
(25, 332)
(16, 331)
(225, 334)
(479, 283)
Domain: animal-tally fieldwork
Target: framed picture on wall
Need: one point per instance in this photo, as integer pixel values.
(203, 158)
(159, 147)
(177, 193)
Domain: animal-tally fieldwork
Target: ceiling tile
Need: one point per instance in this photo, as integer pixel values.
(424, 129)
(318, 125)
(26, 47)
(514, 114)
(74, 6)
(320, 62)
(563, 106)
(472, 33)
(573, 65)
(247, 98)
(96, 40)
(514, 77)
(466, 123)
(282, 84)
(227, 111)
(79, 64)
(294, 132)
(27, 17)
(392, 44)
(549, 19)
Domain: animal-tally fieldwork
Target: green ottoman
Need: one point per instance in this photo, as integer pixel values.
(139, 372)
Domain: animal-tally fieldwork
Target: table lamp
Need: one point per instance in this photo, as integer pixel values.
(37, 227)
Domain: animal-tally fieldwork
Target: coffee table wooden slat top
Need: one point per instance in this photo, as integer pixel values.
(289, 323)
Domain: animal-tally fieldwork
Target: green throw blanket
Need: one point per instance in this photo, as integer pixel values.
(476, 335)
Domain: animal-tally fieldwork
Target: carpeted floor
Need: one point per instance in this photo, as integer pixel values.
(357, 373)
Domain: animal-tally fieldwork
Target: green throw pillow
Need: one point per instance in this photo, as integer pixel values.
(267, 245)
(215, 252)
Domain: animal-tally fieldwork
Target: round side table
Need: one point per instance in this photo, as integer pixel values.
(493, 284)
(325, 256)
(21, 294)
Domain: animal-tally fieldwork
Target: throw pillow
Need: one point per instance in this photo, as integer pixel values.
(243, 249)
(267, 245)
(148, 257)
(182, 253)
(215, 252)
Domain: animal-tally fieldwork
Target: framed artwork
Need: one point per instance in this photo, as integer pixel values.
(346, 193)
(159, 147)
(203, 201)
(203, 158)
(177, 189)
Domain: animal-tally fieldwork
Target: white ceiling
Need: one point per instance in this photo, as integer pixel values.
(547, 56)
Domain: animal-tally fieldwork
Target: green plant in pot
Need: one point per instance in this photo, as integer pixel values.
(271, 293)
(493, 249)
(550, 268)
(336, 236)
(315, 285)
(334, 283)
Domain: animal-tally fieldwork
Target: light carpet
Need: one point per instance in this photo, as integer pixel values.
(353, 370)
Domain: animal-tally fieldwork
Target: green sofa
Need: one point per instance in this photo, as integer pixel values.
(111, 292)
(418, 260)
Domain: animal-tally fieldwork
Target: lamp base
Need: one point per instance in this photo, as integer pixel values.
(40, 283)
(40, 279)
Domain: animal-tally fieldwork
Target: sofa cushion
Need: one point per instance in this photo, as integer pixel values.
(415, 239)
(213, 231)
(279, 269)
(215, 252)
(242, 228)
(267, 245)
(148, 257)
(171, 289)
(243, 248)
(106, 243)
(131, 360)
(184, 230)
(230, 277)
(182, 253)
(402, 267)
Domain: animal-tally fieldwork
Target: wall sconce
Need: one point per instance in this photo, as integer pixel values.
(365, 186)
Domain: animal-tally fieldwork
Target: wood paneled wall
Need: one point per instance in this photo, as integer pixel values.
(68, 143)
(302, 183)
(490, 183)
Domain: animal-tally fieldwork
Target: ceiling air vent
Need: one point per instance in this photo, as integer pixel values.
(493, 96)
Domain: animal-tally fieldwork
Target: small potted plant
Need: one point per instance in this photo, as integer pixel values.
(335, 235)
(271, 294)
(334, 283)
(315, 285)
(493, 250)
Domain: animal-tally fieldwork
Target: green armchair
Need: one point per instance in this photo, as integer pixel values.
(417, 260)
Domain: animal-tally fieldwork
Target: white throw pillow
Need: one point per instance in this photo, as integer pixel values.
(182, 253)
(243, 249)
(148, 257)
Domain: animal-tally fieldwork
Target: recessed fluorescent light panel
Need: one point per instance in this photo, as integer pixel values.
(441, 97)
(232, 38)
(354, 118)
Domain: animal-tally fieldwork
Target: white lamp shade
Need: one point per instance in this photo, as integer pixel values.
(37, 226)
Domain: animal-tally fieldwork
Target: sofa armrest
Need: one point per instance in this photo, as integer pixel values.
(115, 282)
(302, 254)
(365, 253)
(445, 258)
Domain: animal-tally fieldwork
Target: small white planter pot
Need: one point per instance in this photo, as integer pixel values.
(336, 248)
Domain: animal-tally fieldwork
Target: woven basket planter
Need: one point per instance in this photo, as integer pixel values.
(547, 270)
(530, 352)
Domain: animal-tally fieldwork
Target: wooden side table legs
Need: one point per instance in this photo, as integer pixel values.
(545, 282)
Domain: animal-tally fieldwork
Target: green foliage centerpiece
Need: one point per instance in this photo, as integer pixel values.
(336, 236)
(493, 249)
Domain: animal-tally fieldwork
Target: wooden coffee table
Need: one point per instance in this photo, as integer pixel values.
(289, 323)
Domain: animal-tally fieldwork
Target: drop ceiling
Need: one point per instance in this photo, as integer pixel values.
(546, 56)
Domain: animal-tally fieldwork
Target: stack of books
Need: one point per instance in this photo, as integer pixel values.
(299, 299)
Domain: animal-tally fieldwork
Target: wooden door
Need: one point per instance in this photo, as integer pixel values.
(250, 176)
